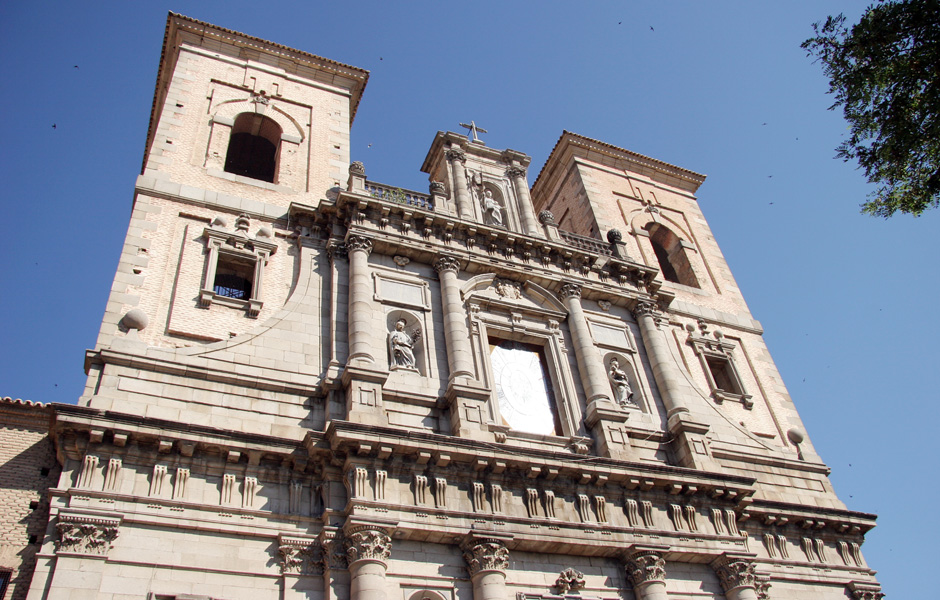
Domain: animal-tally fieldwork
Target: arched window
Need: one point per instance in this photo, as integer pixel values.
(253, 147)
(673, 261)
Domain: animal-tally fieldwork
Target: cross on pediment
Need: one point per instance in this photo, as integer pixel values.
(474, 130)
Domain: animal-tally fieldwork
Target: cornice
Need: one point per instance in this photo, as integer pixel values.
(688, 180)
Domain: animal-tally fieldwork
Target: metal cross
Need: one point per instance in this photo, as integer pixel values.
(474, 130)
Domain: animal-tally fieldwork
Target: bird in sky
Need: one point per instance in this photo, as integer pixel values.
(651, 28)
(53, 125)
(76, 66)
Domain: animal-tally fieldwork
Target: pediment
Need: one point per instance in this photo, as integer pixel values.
(492, 290)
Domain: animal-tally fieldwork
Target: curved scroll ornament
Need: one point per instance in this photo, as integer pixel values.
(368, 544)
(570, 290)
(358, 242)
(447, 263)
(515, 172)
(486, 555)
(645, 567)
(734, 573)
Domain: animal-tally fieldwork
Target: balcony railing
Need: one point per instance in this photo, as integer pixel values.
(396, 194)
(588, 244)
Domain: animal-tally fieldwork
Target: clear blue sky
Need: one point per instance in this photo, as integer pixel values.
(722, 88)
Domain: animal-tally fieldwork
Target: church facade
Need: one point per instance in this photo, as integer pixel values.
(308, 384)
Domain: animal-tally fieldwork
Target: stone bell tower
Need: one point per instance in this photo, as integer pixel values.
(308, 384)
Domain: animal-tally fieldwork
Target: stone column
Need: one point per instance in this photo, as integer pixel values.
(456, 335)
(521, 186)
(339, 271)
(487, 561)
(646, 571)
(367, 548)
(603, 417)
(360, 321)
(464, 203)
(593, 375)
(737, 577)
(664, 370)
(692, 449)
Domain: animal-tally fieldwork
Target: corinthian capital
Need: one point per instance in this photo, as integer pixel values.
(358, 242)
(735, 572)
(515, 172)
(571, 290)
(645, 566)
(447, 263)
(456, 155)
(486, 555)
(644, 308)
(86, 534)
(336, 250)
(368, 543)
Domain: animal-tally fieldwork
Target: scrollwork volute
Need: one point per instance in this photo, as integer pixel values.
(645, 567)
(571, 290)
(735, 573)
(486, 555)
(358, 242)
(447, 263)
(368, 544)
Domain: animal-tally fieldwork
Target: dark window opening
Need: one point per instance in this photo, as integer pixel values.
(4, 582)
(723, 376)
(44, 471)
(253, 147)
(233, 279)
(669, 272)
(671, 255)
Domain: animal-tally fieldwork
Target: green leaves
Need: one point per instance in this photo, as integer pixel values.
(884, 74)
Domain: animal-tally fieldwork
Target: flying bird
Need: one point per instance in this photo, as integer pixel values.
(76, 66)
(53, 125)
(651, 28)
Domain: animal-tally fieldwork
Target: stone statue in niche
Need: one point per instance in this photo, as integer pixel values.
(401, 346)
(492, 211)
(623, 392)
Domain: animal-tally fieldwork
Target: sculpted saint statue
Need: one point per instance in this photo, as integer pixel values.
(401, 345)
(620, 383)
(492, 211)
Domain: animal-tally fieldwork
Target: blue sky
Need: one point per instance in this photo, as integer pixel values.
(721, 88)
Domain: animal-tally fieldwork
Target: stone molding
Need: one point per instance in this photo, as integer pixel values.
(368, 542)
(644, 308)
(645, 566)
(337, 250)
(86, 534)
(865, 591)
(486, 554)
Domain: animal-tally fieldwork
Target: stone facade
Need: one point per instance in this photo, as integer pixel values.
(28, 469)
(311, 385)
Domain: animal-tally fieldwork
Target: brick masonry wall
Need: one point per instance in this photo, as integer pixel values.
(25, 451)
